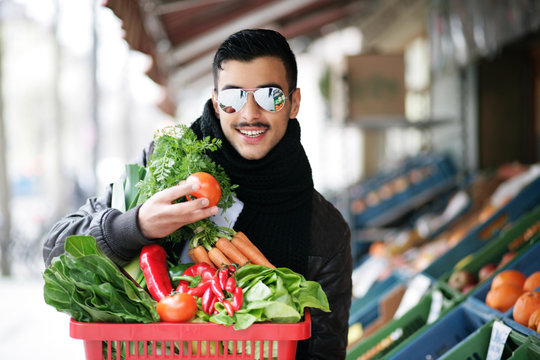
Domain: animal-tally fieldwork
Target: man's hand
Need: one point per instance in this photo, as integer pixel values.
(159, 216)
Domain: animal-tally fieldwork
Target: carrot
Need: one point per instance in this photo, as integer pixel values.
(199, 255)
(242, 243)
(218, 258)
(231, 252)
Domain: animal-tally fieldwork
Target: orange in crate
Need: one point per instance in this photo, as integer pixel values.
(190, 340)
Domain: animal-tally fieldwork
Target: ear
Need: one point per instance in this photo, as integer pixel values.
(214, 102)
(295, 103)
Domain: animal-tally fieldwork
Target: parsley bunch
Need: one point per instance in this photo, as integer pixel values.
(177, 154)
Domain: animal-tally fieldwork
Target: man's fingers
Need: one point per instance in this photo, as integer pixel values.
(177, 191)
(200, 214)
(194, 205)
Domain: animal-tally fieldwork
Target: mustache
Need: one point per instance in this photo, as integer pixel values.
(257, 124)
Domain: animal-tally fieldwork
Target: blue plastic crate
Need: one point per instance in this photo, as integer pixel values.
(364, 310)
(403, 329)
(454, 327)
(527, 264)
(441, 177)
(479, 236)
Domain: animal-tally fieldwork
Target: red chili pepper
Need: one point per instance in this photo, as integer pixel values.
(216, 288)
(213, 309)
(230, 285)
(223, 275)
(199, 289)
(228, 306)
(232, 269)
(153, 262)
(206, 300)
(183, 287)
(238, 298)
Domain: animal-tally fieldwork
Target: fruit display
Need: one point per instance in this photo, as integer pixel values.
(484, 262)
(525, 306)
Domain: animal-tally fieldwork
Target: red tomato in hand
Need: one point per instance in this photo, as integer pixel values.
(209, 188)
(179, 307)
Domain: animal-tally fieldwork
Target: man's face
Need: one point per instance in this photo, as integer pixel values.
(253, 131)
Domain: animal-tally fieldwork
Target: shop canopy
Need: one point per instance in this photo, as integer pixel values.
(181, 35)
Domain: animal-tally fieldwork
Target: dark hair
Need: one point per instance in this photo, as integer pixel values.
(249, 44)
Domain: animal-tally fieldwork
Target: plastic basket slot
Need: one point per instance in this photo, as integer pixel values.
(195, 349)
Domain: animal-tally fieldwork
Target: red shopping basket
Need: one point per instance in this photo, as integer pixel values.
(190, 340)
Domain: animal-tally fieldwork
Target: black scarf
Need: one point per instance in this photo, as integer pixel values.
(276, 191)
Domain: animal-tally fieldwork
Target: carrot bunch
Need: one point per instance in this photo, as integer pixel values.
(235, 248)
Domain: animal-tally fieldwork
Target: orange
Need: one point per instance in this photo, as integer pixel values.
(503, 297)
(511, 276)
(532, 282)
(534, 320)
(525, 305)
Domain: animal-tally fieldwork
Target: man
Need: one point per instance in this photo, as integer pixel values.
(253, 111)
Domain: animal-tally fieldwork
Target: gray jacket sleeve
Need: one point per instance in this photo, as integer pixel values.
(117, 233)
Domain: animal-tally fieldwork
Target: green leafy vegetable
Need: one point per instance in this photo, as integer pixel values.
(87, 285)
(271, 295)
(177, 154)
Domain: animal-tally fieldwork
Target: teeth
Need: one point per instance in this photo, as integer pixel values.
(252, 133)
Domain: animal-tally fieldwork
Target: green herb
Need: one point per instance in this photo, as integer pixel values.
(87, 285)
(177, 154)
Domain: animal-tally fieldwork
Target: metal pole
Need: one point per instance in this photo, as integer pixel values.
(95, 92)
(5, 215)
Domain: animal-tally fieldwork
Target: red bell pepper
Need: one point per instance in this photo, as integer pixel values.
(183, 287)
(199, 269)
(153, 262)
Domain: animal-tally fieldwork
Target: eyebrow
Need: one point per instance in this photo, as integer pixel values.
(258, 87)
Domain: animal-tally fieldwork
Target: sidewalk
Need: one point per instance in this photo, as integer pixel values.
(29, 328)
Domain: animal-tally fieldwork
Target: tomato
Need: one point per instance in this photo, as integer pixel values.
(179, 307)
(209, 188)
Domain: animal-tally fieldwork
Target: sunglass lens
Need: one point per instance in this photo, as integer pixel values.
(232, 100)
(270, 99)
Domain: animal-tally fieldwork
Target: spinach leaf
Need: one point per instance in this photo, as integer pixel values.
(87, 285)
(273, 295)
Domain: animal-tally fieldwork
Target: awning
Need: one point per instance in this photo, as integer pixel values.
(182, 35)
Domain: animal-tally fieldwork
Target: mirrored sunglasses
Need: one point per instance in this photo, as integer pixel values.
(269, 98)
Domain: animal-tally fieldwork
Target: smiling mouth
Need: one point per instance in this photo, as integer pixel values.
(252, 133)
(253, 130)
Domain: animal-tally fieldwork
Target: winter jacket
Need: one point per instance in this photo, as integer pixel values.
(329, 264)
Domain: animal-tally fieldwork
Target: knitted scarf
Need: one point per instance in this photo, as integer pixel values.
(276, 190)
